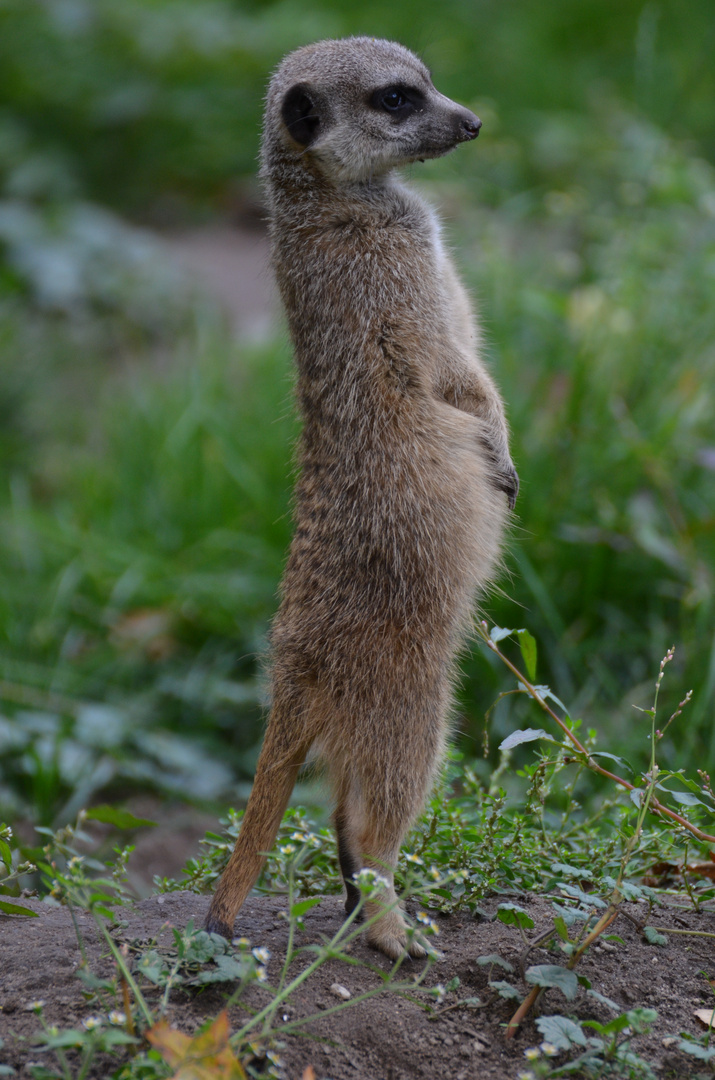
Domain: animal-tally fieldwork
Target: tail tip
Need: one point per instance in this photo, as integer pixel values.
(216, 925)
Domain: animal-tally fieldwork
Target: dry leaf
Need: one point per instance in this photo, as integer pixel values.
(207, 1056)
(309, 1073)
(706, 1017)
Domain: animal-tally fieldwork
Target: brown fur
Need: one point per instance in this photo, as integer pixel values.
(405, 474)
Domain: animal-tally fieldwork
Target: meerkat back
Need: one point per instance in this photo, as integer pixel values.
(405, 479)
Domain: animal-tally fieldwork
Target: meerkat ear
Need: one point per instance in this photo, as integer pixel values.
(300, 115)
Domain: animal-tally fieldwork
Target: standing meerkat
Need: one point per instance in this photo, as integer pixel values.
(405, 480)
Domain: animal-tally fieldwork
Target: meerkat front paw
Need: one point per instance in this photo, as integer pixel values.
(508, 481)
(505, 476)
(389, 935)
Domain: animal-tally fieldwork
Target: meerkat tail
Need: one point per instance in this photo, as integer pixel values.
(272, 787)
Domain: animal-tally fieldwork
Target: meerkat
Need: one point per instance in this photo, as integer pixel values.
(405, 480)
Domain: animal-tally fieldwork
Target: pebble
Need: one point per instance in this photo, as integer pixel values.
(340, 991)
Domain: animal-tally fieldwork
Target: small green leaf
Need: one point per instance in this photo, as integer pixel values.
(527, 735)
(495, 960)
(588, 899)
(561, 928)
(685, 798)
(570, 915)
(578, 872)
(618, 1023)
(697, 1050)
(113, 815)
(15, 909)
(527, 644)
(561, 1032)
(513, 915)
(653, 937)
(6, 854)
(506, 990)
(641, 1019)
(546, 692)
(604, 1000)
(304, 905)
(553, 975)
(624, 764)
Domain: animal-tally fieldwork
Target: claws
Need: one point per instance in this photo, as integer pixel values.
(511, 486)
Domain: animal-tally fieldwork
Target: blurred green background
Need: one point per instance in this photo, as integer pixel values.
(145, 451)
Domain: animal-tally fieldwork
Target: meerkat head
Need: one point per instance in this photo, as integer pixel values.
(358, 107)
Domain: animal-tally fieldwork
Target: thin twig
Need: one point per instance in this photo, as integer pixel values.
(655, 804)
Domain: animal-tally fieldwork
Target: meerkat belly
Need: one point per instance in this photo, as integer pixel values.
(396, 531)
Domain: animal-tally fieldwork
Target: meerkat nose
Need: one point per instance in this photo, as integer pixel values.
(470, 126)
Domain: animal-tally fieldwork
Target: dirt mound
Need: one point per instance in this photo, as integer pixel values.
(388, 1037)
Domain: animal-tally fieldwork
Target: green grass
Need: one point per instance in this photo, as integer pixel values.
(146, 458)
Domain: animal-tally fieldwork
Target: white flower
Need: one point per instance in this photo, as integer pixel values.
(262, 955)
(549, 1049)
(287, 849)
(532, 1053)
(434, 873)
(92, 1022)
(368, 877)
(525, 1074)
(241, 943)
(299, 836)
(440, 992)
(117, 1017)
(414, 859)
(261, 974)
(35, 1006)
(423, 917)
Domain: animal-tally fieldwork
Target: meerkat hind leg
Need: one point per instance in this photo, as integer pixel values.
(388, 932)
(349, 861)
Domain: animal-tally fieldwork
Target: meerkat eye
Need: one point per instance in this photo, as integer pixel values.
(393, 99)
(398, 100)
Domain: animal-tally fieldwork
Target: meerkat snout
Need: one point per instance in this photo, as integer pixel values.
(471, 126)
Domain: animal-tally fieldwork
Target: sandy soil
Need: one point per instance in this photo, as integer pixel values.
(388, 1037)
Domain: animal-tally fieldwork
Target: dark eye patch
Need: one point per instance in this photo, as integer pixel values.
(398, 100)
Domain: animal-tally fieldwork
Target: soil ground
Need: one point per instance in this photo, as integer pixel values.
(388, 1037)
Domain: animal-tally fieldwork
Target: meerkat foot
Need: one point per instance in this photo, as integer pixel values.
(389, 935)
